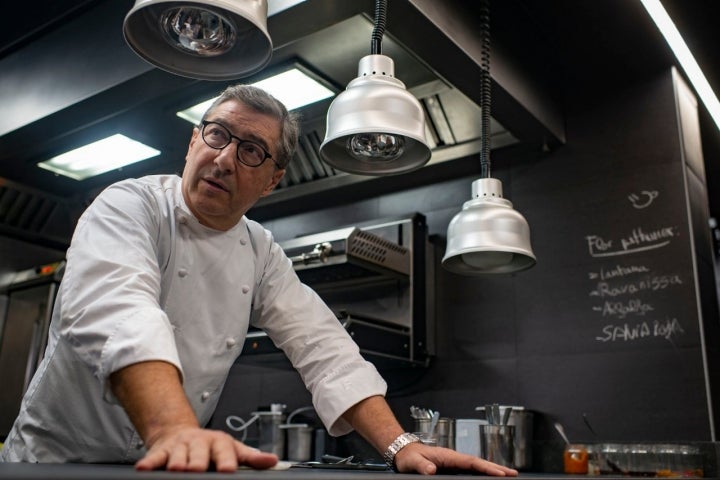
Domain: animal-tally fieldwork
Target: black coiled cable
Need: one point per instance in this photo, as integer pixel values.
(485, 85)
(378, 27)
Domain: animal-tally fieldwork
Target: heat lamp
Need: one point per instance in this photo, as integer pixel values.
(202, 39)
(375, 126)
(488, 235)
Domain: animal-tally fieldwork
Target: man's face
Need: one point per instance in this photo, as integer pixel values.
(219, 189)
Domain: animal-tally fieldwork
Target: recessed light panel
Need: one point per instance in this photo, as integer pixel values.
(99, 157)
(292, 87)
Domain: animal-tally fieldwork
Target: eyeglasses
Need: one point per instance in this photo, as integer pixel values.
(218, 136)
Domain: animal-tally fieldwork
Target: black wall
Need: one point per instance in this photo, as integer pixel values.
(607, 325)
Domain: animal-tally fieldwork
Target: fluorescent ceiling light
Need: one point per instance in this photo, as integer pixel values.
(293, 88)
(683, 55)
(99, 157)
(277, 6)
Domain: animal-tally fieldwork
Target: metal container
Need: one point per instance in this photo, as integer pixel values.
(271, 438)
(446, 432)
(523, 420)
(299, 441)
(497, 444)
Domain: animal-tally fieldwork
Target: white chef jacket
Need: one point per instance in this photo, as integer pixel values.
(146, 281)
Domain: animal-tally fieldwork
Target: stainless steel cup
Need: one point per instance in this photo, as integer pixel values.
(523, 420)
(496, 444)
(446, 432)
(299, 441)
(271, 436)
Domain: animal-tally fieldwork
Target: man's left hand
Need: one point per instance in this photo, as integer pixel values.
(427, 460)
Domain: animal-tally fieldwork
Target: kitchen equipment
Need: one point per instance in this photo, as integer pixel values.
(446, 432)
(497, 444)
(467, 435)
(26, 300)
(575, 456)
(650, 460)
(359, 252)
(428, 421)
(299, 441)
(561, 431)
(575, 459)
(428, 438)
(434, 420)
(271, 438)
(522, 419)
(378, 279)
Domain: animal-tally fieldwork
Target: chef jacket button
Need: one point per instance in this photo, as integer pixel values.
(205, 395)
(230, 342)
(243, 241)
(245, 289)
(182, 272)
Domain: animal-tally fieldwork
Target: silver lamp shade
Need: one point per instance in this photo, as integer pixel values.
(375, 126)
(488, 235)
(203, 39)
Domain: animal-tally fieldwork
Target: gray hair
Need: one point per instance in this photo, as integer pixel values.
(262, 102)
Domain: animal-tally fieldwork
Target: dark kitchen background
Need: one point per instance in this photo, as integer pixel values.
(596, 137)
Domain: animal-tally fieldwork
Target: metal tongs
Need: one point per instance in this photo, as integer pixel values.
(493, 416)
(341, 463)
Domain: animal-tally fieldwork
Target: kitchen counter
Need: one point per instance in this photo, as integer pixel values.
(28, 471)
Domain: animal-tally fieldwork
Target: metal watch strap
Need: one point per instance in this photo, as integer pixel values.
(398, 444)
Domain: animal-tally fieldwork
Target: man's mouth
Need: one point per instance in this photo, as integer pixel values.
(215, 184)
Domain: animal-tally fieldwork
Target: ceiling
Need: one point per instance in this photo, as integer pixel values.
(68, 78)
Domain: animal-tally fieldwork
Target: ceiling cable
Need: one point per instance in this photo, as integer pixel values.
(378, 27)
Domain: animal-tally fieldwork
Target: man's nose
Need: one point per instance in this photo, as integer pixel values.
(227, 157)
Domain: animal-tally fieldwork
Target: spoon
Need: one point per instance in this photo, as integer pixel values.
(573, 454)
(434, 421)
(561, 431)
(506, 415)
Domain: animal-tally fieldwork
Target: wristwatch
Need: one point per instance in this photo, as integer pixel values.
(398, 444)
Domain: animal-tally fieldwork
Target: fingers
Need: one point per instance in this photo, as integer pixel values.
(152, 460)
(195, 449)
(254, 458)
(428, 460)
(497, 470)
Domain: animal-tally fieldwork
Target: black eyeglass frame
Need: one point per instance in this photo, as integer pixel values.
(205, 123)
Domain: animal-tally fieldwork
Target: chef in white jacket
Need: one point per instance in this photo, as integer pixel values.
(164, 275)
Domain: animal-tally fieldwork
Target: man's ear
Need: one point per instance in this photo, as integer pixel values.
(195, 136)
(278, 174)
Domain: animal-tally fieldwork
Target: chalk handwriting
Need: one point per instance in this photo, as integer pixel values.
(647, 283)
(644, 199)
(634, 306)
(618, 271)
(637, 241)
(650, 329)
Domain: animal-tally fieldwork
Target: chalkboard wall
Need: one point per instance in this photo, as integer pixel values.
(607, 326)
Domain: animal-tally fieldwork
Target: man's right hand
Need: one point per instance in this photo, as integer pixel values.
(196, 449)
(151, 393)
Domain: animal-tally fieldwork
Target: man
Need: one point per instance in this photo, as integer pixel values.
(164, 275)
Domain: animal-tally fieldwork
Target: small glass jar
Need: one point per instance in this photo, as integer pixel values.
(595, 459)
(575, 459)
(428, 438)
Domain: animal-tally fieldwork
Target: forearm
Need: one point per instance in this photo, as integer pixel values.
(374, 421)
(152, 395)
